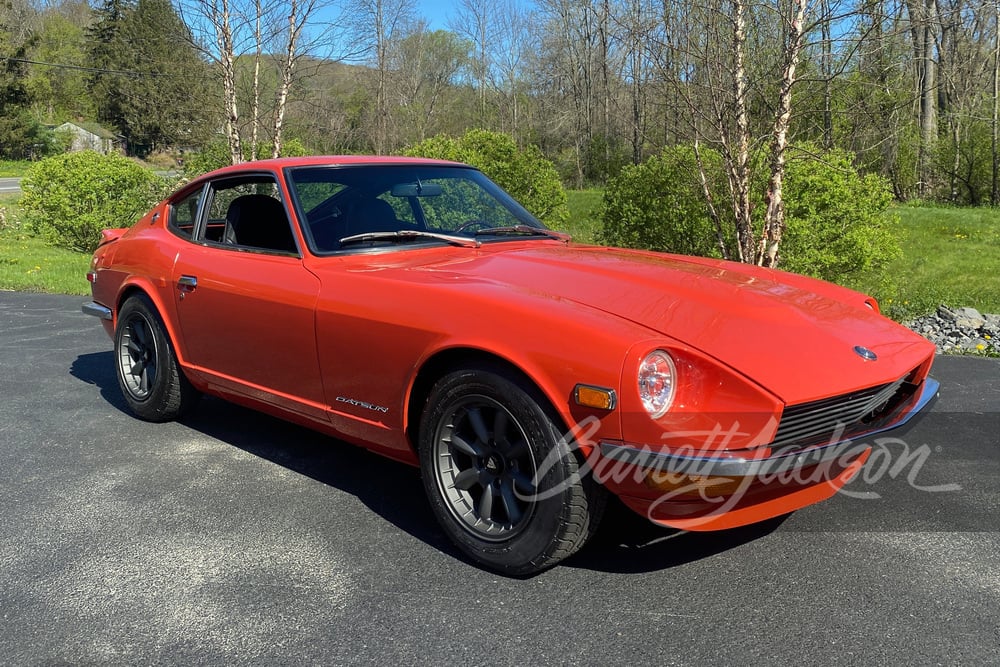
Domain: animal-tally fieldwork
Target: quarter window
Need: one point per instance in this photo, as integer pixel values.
(184, 214)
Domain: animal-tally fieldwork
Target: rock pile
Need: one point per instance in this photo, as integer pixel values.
(960, 330)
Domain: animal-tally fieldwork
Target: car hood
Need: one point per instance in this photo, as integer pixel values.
(792, 335)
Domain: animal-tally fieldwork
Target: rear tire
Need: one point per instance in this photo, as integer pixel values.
(154, 387)
(501, 482)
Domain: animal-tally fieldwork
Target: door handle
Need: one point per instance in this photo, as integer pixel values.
(186, 284)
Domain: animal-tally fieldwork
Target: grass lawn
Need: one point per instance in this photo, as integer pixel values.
(13, 168)
(30, 264)
(950, 256)
(582, 214)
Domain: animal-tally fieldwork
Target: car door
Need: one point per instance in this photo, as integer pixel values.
(245, 302)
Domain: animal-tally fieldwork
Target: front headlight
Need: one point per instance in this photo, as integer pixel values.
(657, 382)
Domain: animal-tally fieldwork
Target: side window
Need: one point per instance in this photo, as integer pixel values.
(183, 215)
(248, 213)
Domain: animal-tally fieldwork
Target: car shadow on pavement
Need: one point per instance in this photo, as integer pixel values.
(628, 543)
(98, 369)
(625, 542)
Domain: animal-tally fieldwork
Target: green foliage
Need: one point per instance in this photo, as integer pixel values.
(592, 163)
(69, 199)
(289, 148)
(167, 101)
(659, 205)
(212, 156)
(839, 226)
(524, 173)
(59, 93)
(215, 155)
(966, 165)
(21, 135)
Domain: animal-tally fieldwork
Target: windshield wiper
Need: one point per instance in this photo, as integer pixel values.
(406, 234)
(524, 230)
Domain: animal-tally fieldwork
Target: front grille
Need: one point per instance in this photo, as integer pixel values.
(840, 417)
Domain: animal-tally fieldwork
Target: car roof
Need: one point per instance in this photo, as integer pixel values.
(329, 161)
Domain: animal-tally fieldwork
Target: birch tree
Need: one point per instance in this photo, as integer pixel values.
(272, 33)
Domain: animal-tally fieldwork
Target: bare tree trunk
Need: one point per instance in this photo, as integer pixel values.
(774, 220)
(224, 38)
(255, 99)
(995, 121)
(295, 24)
(740, 170)
(710, 201)
(923, 22)
(605, 78)
(381, 100)
(826, 65)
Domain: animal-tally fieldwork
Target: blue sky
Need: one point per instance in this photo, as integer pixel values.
(436, 12)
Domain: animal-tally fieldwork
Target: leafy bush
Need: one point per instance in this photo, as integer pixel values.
(216, 155)
(69, 199)
(659, 205)
(525, 173)
(839, 226)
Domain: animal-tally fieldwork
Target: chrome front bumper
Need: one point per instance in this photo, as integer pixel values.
(646, 456)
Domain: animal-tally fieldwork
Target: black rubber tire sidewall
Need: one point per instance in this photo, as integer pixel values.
(171, 395)
(557, 527)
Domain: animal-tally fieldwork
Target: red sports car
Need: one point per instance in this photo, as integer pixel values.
(412, 307)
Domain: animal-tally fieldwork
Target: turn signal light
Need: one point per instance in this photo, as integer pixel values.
(594, 397)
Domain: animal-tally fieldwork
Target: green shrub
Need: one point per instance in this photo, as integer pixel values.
(216, 155)
(524, 173)
(839, 226)
(212, 156)
(69, 199)
(659, 205)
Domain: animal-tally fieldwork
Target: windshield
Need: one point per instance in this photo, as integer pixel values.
(341, 206)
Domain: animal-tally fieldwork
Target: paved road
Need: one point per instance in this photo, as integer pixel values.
(236, 538)
(10, 185)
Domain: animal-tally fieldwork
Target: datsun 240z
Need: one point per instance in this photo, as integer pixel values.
(412, 307)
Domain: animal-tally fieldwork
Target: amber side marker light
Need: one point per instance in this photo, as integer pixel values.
(595, 397)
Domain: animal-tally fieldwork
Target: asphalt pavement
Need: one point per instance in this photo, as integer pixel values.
(236, 538)
(10, 185)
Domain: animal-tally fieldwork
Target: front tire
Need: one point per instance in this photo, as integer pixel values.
(501, 481)
(154, 387)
